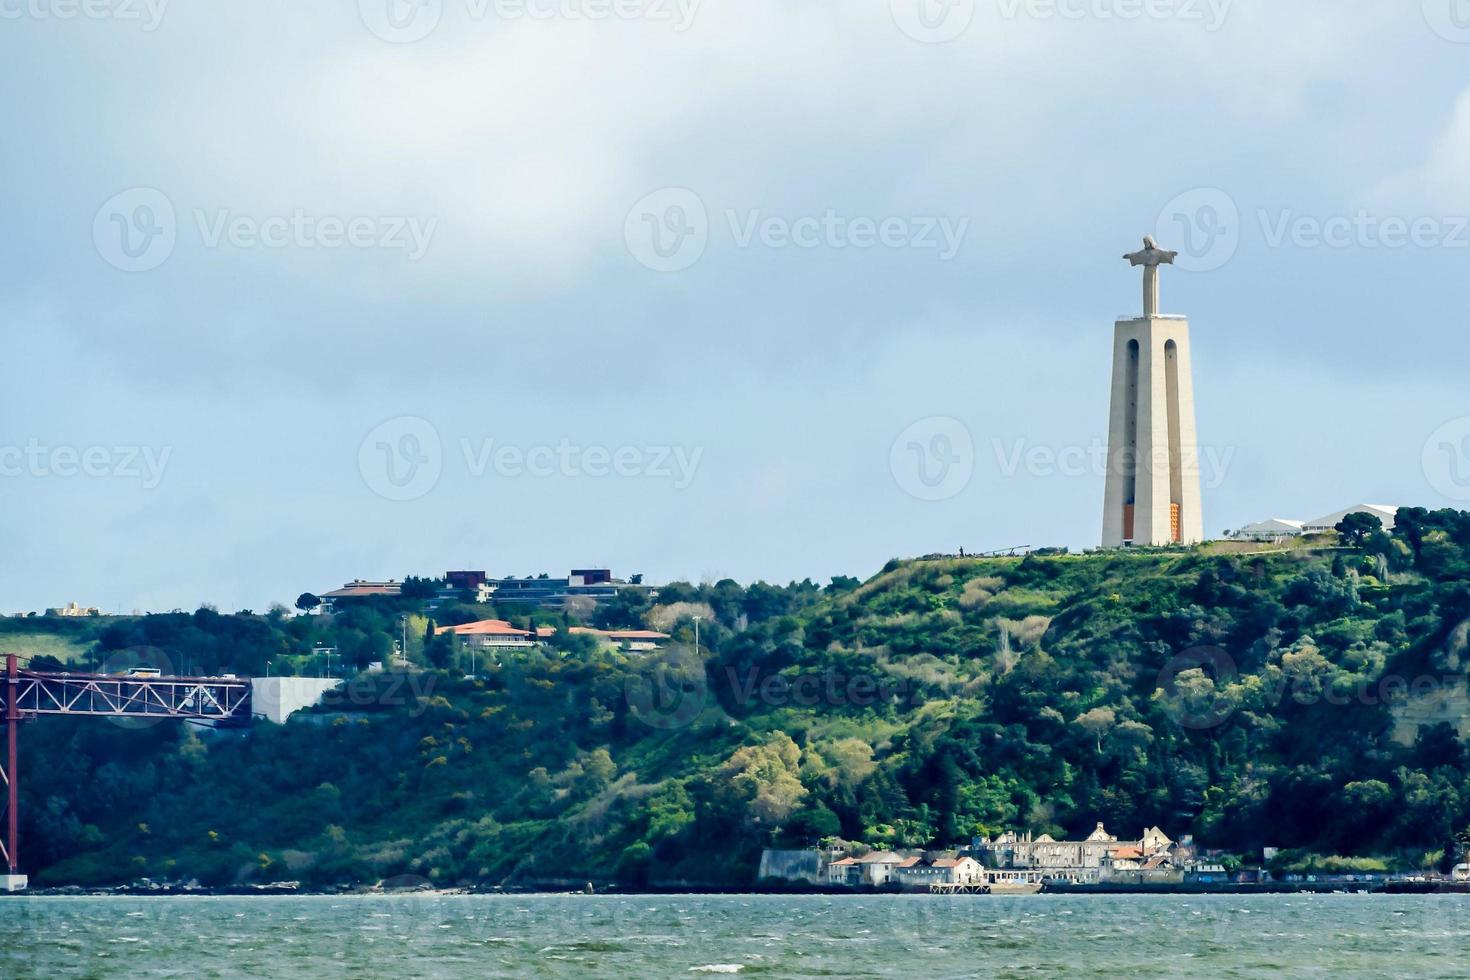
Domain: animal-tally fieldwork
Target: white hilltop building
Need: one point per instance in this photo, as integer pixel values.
(1387, 513)
(1282, 529)
(1276, 529)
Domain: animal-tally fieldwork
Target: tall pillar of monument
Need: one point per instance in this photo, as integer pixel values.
(1153, 484)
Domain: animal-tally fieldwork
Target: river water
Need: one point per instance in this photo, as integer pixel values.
(913, 937)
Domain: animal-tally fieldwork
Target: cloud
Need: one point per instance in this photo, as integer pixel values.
(1442, 182)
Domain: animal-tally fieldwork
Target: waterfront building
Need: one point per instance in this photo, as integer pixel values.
(1082, 860)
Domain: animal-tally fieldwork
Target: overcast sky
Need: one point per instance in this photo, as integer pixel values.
(297, 293)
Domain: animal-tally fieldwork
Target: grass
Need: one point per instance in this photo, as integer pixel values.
(63, 648)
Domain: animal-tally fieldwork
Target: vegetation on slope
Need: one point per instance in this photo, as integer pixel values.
(1245, 698)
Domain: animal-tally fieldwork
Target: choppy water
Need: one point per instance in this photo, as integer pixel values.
(917, 938)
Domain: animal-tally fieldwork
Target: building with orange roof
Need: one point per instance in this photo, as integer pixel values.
(491, 634)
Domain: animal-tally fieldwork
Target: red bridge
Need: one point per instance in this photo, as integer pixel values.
(217, 701)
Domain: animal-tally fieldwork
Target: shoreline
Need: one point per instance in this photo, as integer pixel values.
(1397, 888)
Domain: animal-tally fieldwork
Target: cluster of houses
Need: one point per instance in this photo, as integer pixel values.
(914, 872)
(1100, 857)
(1010, 859)
(584, 586)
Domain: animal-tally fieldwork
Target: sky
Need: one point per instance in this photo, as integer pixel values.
(293, 294)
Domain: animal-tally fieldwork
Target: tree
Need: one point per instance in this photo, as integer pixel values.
(1097, 721)
(764, 778)
(306, 602)
(420, 588)
(1356, 527)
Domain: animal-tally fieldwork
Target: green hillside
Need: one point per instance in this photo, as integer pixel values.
(1247, 698)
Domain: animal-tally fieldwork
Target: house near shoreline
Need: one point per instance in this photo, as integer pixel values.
(915, 872)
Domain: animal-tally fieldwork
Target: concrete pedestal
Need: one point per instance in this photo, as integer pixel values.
(1153, 484)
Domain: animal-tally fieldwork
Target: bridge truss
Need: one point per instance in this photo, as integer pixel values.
(219, 701)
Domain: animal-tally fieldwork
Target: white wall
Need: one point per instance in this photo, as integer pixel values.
(278, 698)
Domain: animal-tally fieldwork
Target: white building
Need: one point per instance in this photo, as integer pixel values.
(278, 698)
(1387, 513)
(1276, 529)
(1282, 529)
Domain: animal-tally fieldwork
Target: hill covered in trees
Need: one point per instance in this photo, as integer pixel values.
(1247, 697)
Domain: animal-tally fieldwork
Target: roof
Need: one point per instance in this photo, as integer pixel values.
(1386, 513)
(949, 862)
(485, 627)
(363, 590)
(1127, 853)
(881, 857)
(620, 634)
(844, 862)
(911, 862)
(1276, 525)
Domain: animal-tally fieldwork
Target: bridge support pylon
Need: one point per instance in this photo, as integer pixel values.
(12, 880)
